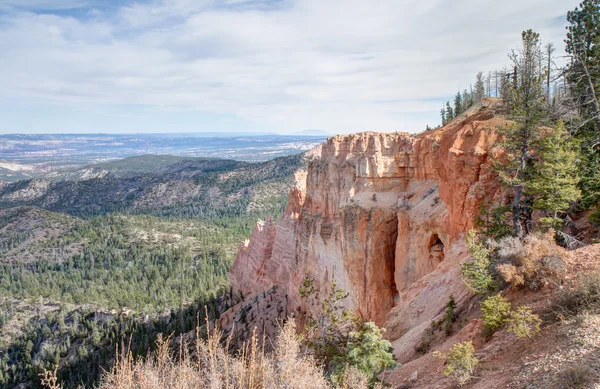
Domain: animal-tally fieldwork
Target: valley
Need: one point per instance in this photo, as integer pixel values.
(138, 247)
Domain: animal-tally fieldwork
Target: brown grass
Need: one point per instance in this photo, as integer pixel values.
(211, 366)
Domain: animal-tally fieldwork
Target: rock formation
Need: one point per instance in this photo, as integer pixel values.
(384, 215)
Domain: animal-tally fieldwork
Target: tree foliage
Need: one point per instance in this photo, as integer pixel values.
(554, 179)
(367, 351)
(475, 273)
(340, 338)
(524, 323)
(460, 362)
(495, 312)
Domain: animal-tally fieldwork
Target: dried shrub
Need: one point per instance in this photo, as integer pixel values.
(583, 297)
(532, 262)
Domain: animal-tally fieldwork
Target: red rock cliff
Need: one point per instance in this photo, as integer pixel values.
(384, 215)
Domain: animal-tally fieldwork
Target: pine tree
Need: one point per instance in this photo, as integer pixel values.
(449, 112)
(526, 102)
(465, 100)
(554, 178)
(458, 105)
(443, 115)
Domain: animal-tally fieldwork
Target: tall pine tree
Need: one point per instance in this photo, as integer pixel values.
(526, 101)
(554, 177)
(458, 105)
(449, 112)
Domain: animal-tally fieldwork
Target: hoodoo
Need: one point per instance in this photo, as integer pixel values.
(385, 216)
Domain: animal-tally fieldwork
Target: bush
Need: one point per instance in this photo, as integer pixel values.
(340, 339)
(583, 297)
(368, 353)
(460, 362)
(476, 274)
(595, 218)
(496, 311)
(524, 323)
(530, 263)
(450, 315)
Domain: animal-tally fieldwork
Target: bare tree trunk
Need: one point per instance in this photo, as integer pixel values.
(496, 79)
(549, 51)
(591, 90)
(516, 207)
(516, 210)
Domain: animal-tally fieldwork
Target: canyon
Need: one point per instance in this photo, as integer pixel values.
(384, 215)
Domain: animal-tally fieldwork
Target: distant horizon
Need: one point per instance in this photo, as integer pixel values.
(28, 151)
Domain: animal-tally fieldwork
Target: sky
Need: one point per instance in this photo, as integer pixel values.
(341, 66)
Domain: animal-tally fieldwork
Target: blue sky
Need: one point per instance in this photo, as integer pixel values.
(85, 66)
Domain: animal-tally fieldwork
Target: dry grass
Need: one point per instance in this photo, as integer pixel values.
(211, 366)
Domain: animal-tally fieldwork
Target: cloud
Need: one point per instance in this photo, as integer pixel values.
(43, 4)
(340, 65)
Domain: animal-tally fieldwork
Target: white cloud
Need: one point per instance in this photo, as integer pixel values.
(340, 65)
(42, 4)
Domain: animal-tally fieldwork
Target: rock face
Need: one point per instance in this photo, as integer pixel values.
(384, 215)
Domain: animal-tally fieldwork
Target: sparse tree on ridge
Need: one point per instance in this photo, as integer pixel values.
(465, 100)
(449, 112)
(479, 87)
(458, 105)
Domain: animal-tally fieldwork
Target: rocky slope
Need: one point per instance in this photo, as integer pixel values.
(384, 215)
